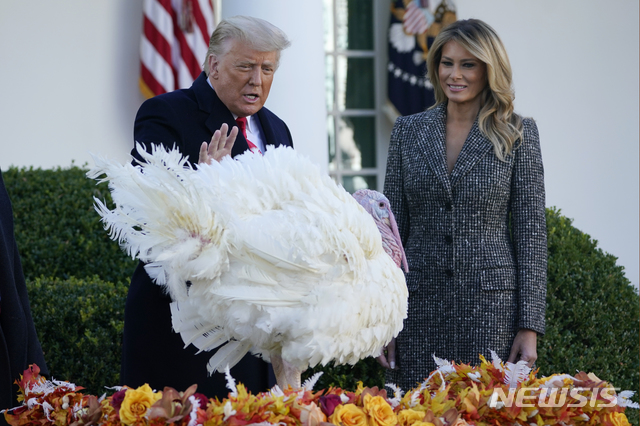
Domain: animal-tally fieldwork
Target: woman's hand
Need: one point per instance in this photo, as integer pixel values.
(524, 347)
(220, 145)
(387, 358)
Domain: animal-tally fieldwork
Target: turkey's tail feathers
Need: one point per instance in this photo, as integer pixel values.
(228, 355)
(186, 321)
(165, 216)
(206, 337)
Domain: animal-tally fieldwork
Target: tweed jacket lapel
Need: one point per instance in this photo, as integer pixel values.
(475, 147)
(431, 143)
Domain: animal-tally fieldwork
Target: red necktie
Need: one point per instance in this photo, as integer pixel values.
(242, 124)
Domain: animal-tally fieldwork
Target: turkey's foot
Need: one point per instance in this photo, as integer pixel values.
(286, 374)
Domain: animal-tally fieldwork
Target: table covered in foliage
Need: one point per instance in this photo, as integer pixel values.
(492, 393)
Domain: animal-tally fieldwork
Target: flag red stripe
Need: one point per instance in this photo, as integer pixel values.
(175, 47)
(166, 4)
(158, 41)
(188, 57)
(150, 80)
(201, 23)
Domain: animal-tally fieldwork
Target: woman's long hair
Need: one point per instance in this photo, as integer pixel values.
(496, 118)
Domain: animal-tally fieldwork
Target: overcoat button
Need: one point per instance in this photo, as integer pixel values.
(449, 273)
(448, 206)
(448, 239)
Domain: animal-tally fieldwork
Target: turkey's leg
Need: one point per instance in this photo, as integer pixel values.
(286, 374)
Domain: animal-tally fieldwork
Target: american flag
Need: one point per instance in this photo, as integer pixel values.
(175, 39)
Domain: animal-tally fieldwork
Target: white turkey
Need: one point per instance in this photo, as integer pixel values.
(261, 254)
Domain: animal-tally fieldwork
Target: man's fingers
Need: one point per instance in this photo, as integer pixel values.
(221, 142)
(215, 141)
(222, 136)
(203, 156)
(231, 139)
(224, 129)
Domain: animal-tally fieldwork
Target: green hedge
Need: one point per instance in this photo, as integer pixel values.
(593, 319)
(79, 324)
(58, 232)
(592, 311)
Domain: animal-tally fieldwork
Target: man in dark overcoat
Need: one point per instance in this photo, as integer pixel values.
(243, 56)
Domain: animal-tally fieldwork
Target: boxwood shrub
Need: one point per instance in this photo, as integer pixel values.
(79, 324)
(592, 311)
(58, 232)
(593, 318)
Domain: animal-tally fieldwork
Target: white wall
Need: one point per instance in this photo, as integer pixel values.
(68, 80)
(575, 66)
(297, 93)
(68, 85)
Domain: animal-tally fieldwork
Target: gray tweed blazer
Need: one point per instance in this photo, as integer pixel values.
(475, 241)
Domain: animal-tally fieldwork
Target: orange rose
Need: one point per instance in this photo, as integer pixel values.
(617, 419)
(348, 415)
(136, 403)
(409, 417)
(379, 411)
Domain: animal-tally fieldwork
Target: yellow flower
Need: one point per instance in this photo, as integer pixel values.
(410, 417)
(423, 424)
(379, 411)
(136, 403)
(617, 419)
(348, 415)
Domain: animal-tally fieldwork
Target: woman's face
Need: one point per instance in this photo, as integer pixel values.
(463, 77)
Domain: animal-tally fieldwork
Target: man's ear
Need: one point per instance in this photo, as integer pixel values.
(213, 66)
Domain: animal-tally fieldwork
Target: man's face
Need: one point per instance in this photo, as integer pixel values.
(242, 77)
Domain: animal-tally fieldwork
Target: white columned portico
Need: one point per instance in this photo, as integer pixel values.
(298, 91)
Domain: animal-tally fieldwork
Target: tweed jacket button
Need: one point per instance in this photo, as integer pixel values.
(448, 273)
(448, 239)
(448, 207)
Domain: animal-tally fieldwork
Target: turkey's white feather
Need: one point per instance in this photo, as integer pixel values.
(229, 354)
(515, 374)
(279, 258)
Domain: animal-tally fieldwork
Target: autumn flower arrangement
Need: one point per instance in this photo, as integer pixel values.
(492, 393)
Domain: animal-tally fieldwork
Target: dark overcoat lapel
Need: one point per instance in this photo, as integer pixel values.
(219, 114)
(210, 103)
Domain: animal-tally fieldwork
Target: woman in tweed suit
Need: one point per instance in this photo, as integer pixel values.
(465, 181)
